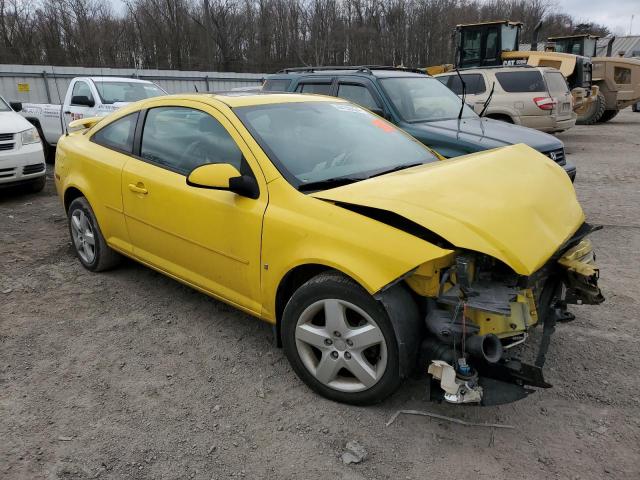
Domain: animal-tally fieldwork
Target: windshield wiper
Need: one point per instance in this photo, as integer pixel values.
(486, 104)
(395, 169)
(328, 183)
(464, 93)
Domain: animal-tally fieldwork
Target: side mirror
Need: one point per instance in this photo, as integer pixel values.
(82, 100)
(378, 111)
(223, 176)
(16, 106)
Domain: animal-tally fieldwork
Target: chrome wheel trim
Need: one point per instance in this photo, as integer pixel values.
(83, 237)
(328, 350)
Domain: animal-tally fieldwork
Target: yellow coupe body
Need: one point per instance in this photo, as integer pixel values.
(244, 232)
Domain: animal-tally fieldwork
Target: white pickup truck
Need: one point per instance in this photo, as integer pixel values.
(85, 97)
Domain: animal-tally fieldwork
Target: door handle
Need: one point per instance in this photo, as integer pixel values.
(138, 188)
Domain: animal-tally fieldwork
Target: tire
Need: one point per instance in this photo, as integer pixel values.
(592, 115)
(635, 107)
(310, 344)
(37, 185)
(608, 115)
(84, 230)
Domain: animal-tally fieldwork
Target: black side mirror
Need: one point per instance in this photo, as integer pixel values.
(82, 100)
(16, 106)
(245, 186)
(378, 111)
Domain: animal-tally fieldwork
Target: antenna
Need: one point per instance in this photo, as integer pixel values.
(63, 126)
(196, 87)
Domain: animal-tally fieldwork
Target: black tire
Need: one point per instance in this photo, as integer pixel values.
(37, 185)
(608, 115)
(635, 107)
(104, 257)
(333, 285)
(595, 111)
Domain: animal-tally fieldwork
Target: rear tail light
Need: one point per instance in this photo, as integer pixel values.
(545, 103)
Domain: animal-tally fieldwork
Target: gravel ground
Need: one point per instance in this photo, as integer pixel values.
(129, 374)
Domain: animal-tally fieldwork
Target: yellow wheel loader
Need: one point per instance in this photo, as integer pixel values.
(495, 44)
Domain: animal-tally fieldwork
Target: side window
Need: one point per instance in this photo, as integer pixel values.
(181, 139)
(276, 85)
(81, 89)
(491, 49)
(474, 84)
(357, 94)
(318, 88)
(524, 81)
(118, 135)
(622, 75)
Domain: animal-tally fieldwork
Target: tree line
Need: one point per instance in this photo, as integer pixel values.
(254, 35)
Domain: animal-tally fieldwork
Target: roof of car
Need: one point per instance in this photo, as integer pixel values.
(496, 69)
(369, 70)
(244, 99)
(117, 79)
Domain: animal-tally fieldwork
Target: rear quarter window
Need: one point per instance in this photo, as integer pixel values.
(525, 81)
(118, 135)
(556, 82)
(276, 85)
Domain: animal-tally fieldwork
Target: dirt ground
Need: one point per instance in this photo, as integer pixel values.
(129, 374)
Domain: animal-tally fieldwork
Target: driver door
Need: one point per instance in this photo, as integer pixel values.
(209, 239)
(75, 111)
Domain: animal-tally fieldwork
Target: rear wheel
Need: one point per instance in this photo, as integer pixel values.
(90, 246)
(592, 113)
(608, 115)
(340, 341)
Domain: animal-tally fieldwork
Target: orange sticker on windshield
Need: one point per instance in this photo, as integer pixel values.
(381, 124)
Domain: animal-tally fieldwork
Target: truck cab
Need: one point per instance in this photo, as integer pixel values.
(85, 97)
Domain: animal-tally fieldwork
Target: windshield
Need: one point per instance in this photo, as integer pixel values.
(112, 92)
(312, 142)
(3, 106)
(423, 99)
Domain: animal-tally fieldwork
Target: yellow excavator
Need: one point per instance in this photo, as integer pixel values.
(617, 78)
(495, 44)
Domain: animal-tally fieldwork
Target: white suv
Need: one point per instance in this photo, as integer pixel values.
(21, 153)
(535, 97)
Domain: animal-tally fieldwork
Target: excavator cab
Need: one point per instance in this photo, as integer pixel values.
(583, 45)
(482, 44)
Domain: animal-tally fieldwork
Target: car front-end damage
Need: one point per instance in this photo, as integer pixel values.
(515, 255)
(477, 309)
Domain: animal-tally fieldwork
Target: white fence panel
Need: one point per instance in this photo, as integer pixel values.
(48, 84)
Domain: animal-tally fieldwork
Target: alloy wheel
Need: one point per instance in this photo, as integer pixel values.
(341, 345)
(83, 236)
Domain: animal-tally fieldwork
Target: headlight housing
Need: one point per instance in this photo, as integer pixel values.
(30, 136)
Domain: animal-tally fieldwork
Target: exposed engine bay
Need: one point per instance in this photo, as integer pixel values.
(477, 309)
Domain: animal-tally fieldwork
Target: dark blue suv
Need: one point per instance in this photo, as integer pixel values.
(420, 105)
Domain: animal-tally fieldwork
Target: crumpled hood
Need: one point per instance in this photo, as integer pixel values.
(485, 133)
(513, 203)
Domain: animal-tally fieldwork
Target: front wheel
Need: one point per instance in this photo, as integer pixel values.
(340, 341)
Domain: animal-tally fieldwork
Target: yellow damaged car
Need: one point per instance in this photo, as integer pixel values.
(370, 255)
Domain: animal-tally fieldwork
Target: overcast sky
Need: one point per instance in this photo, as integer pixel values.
(615, 14)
